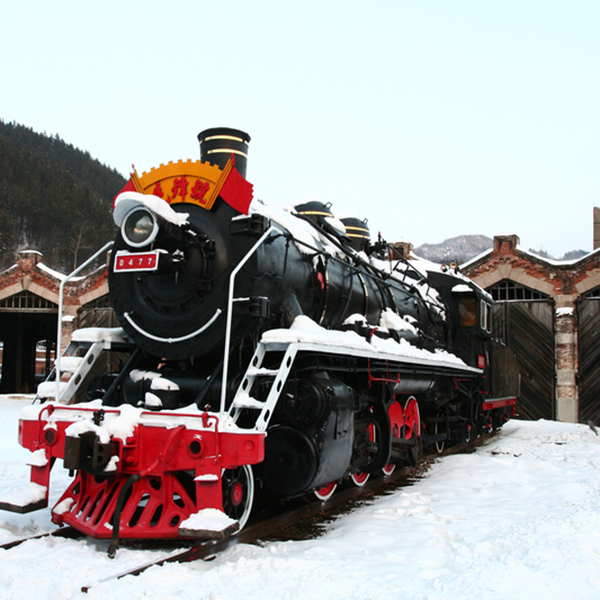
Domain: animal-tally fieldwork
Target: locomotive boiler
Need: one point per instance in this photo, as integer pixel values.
(261, 349)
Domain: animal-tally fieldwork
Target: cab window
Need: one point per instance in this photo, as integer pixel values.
(486, 317)
(467, 312)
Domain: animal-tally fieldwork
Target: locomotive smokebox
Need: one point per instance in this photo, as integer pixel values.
(219, 143)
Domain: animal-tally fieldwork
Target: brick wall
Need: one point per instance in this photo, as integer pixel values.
(30, 274)
(565, 283)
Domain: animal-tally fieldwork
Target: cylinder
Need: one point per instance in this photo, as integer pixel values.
(219, 143)
(414, 384)
(291, 461)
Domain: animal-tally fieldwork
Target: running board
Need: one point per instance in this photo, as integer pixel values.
(24, 508)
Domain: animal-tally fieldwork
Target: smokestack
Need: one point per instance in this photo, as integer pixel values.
(219, 143)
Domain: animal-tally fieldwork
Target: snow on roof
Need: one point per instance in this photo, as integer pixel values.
(554, 262)
(476, 258)
(461, 288)
(550, 261)
(11, 268)
(52, 272)
(425, 266)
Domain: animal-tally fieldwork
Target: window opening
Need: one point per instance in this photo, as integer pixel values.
(26, 301)
(507, 290)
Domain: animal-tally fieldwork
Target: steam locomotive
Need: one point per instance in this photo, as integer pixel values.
(261, 349)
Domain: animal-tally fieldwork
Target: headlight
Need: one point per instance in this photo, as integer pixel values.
(139, 227)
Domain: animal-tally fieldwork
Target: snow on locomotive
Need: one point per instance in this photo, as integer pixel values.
(259, 346)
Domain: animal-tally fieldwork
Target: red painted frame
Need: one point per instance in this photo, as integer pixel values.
(165, 449)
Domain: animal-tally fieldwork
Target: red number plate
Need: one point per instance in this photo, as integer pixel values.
(140, 261)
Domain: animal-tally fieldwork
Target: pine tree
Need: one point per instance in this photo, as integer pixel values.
(54, 198)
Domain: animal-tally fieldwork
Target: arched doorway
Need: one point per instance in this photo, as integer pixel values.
(524, 321)
(26, 320)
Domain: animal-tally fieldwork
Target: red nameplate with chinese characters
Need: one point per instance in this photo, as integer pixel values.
(139, 261)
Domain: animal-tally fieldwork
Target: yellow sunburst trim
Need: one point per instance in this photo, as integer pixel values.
(189, 181)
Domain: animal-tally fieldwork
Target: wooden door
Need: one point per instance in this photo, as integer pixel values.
(588, 312)
(527, 328)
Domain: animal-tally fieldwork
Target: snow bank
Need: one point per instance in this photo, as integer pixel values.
(519, 519)
(209, 519)
(32, 493)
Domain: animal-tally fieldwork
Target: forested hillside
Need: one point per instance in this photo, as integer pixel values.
(54, 198)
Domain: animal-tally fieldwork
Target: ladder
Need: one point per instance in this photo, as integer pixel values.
(77, 367)
(275, 378)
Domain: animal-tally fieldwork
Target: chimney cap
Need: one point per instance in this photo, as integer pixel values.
(506, 242)
(27, 259)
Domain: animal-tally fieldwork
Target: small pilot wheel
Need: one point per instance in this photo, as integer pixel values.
(325, 492)
(359, 479)
(238, 493)
(438, 428)
(389, 469)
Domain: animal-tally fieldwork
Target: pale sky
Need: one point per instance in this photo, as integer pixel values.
(430, 118)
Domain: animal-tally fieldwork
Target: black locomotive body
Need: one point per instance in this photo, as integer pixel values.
(286, 340)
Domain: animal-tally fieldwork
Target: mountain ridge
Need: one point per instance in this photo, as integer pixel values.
(54, 198)
(463, 248)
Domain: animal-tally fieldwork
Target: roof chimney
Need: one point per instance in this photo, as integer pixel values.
(505, 244)
(27, 259)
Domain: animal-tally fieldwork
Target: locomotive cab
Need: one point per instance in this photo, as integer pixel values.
(473, 310)
(470, 313)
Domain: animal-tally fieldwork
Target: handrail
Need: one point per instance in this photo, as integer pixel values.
(61, 291)
(232, 277)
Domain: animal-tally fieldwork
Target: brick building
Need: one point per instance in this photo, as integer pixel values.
(548, 312)
(29, 293)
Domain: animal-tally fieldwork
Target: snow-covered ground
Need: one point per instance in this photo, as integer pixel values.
(518, 519)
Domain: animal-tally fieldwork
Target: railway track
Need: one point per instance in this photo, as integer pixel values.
(63, 532)
(304, 517)
(301, 519)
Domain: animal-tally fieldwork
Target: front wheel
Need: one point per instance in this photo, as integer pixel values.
(238, 493)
